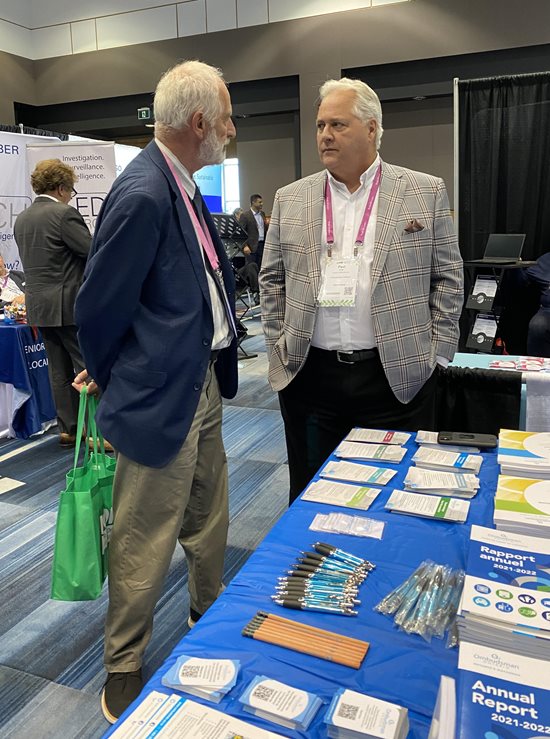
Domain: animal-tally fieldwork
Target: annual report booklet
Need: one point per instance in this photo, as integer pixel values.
(505, 616)
(340, 494)
(501, 694)
(355, 472)
(524, 453)
(509, 558)
(439, 508)
(522, 505)
(175, 717)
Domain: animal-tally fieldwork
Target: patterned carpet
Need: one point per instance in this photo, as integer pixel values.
(51, 670)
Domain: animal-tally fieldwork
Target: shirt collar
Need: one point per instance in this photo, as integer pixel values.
(50, 197)
(187, 181)
(366, 179)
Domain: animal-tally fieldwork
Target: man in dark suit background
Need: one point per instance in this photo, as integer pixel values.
(254, 223)
(12, 285)
(53, 243)
(157, 330)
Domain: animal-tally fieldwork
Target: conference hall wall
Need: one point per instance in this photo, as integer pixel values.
(313, 49)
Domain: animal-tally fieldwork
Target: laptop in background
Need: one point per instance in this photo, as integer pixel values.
(502, 249)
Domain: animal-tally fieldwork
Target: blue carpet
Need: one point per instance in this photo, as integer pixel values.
(51, 652)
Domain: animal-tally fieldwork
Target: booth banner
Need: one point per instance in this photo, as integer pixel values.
(94, 166)
(15, 190)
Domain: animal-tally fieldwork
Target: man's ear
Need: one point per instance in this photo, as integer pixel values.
(198, 124)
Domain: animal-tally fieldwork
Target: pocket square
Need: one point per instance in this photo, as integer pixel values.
(414, 226)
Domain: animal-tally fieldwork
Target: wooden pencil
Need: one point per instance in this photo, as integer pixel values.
(327, 638)
(311, 629)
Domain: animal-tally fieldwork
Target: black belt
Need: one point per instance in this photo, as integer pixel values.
(214, 354)
(359, 355)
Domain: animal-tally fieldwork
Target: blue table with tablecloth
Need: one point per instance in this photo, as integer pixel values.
(26, 402)
(398, 667)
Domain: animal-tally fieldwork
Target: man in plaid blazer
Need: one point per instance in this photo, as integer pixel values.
(365, 354)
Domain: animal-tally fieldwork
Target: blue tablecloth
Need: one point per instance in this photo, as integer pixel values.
(23, 364)
(398, 667)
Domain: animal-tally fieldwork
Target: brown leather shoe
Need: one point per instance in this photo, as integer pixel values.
(67, 440)
(108, 446)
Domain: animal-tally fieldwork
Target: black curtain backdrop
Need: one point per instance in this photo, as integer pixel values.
(504, 182)
(32, 131)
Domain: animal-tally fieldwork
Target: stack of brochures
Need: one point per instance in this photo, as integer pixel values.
(378, 436)
(342, 494)
(440, 508)
(506, 595)
(161, 715)
(356, 472)
(522, 505)
(436, 459)
(456, 484)
(501, 694)
(210, 679)
(429, 439)
(524, 453)
(354, 715)
(359, 450)
(443, 724)
(280, 703)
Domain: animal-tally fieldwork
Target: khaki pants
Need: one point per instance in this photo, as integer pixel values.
(184, 501)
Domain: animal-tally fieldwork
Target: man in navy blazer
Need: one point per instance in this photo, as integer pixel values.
(156, 327)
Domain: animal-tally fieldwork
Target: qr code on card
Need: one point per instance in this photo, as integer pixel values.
(263, 692)
(347, 711)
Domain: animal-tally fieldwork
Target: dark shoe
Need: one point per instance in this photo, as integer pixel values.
(194, 616)
(121, 689)
(67, 440)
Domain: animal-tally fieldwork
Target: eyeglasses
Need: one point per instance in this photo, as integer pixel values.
(74, 193)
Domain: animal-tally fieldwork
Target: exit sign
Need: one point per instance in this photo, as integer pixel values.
(144, 114)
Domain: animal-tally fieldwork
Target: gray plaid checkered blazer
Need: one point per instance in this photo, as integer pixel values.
(417, 278)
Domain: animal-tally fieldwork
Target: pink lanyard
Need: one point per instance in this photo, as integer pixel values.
(204, 234)
(207, 245)
(360, 238)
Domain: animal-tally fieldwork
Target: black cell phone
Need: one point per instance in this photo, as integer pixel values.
(464, 438)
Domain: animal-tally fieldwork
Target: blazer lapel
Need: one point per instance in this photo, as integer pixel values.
(392, 188)
(313, 230)
(189, 235)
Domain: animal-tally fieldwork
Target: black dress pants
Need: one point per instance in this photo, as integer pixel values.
(64, 362)
(328, 398)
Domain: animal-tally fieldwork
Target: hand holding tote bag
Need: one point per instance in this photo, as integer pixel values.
(84, 518)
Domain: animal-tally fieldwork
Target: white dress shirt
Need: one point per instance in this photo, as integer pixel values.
(349, 328)
(222, 332)
(260, 223)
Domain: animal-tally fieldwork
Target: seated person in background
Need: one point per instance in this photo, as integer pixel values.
(12, 284)
(538, 332)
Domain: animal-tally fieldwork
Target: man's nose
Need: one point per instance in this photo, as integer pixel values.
(231, 130)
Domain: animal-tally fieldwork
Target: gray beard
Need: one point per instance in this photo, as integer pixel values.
(212, 151)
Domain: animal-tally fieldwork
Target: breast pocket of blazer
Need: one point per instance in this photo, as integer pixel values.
(415, 249)
(143, 377)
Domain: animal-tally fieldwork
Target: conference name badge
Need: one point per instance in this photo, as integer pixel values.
(339, 283)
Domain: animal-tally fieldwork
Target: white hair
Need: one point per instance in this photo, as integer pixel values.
(367, 103)
(185, 89)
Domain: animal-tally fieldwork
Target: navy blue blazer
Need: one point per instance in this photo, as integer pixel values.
(144, 314)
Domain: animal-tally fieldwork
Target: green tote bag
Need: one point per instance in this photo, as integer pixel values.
(84, 517)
